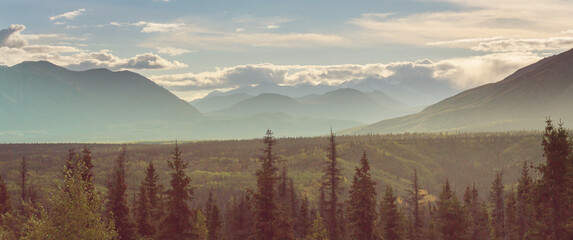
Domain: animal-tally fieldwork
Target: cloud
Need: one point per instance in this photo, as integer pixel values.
(151, 27)
(525, 45)
(466, 23)
(14, 48)
(459, 73)
(68, 15)
(12, 38)
(171, 51)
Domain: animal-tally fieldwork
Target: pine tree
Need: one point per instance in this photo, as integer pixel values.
(86, 172)
(361, 206)
(71, 213)
(511, 228)
(266, 207)
(117, 204)
(390, 217)
(318, 231)
(213, 218)
(452, 221)
(332, 187)
(525, 211)
(414, 199)
(5, 203)
(556, 178)
(148, 205)
(241, 219)
(477, 214)
(200, 227)
(303, 223)
(496, 196)
(177, 224)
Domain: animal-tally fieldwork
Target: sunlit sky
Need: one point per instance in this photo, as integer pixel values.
(194, 47)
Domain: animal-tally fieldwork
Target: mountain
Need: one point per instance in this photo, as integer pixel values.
(341, 104)
(522, 100)
(39, 99)
(218, 102)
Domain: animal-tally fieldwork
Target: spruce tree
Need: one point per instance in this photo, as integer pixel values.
(71, 213)
(496, 198)
(23, 186)
(213, 218)
(177, 223)
(554, 195)
(332, 187)
(390, 217)
(148, 204)
(266, 207)
(86, 171)
(200, 230)
(477, 214)
(525, 212)
(303, 223)
(414, 199)
(452, 220)
(318, 231)
(361, 206)
(5, 203)
(511, 228)
(117, 204)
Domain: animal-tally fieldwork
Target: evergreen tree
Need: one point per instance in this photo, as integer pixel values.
(86, 172)
(362, 203)
(5, 204)
(117, 198)
(303, 223)
(452, 222)
(390, 217)
(266, 208)
(496, 196)
(241, 219)
(414, 199)
(71, 214)
(332, 187)
(477, 214)
(554, 194)
(213, 218)
(23, 186)
(177, 224)
(148, 204)
(525, 211)
(200, 227)
(318, 231)
(511, 228)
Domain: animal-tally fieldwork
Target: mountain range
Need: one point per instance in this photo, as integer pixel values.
(521, 101)
(41, 102)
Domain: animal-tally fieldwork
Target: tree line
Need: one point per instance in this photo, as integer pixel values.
(538, 208)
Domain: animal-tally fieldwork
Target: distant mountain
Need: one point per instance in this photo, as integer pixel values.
(291, 91)
(521, 101)
(39, 99)
(340, 104)
(218, 102)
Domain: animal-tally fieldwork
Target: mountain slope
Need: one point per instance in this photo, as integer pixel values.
(521, 101)
(42, 98)
(215, 103)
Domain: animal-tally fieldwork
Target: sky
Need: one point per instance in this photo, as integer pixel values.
(193, 47)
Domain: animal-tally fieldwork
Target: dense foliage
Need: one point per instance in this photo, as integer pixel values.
(403, 187)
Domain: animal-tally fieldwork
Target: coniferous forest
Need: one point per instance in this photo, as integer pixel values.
(513, 185)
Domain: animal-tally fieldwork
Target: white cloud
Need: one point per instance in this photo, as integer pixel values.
(68, 15)
(14, 48)
(525, 45)
(466, 23)
(11, 36)
(460, 73)
(150, 27)
(272, 26)
(171, 51)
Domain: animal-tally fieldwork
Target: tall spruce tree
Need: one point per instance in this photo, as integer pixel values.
(452, 220)
(511, 227)
(414, 198)
(148, 204)
(525, 211)
(303, 223)
(266, 206)
(86, 172)
(213, 218)
(496, 198)
(117, 204)
(477, 214)
(553, 190)
(177, 223)
(5, 203)
(332, 187)
(390, 217)
(361, 206)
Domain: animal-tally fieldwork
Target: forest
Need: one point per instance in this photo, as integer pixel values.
(505, 185)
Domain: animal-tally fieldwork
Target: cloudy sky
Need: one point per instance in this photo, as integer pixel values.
(194, 47)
